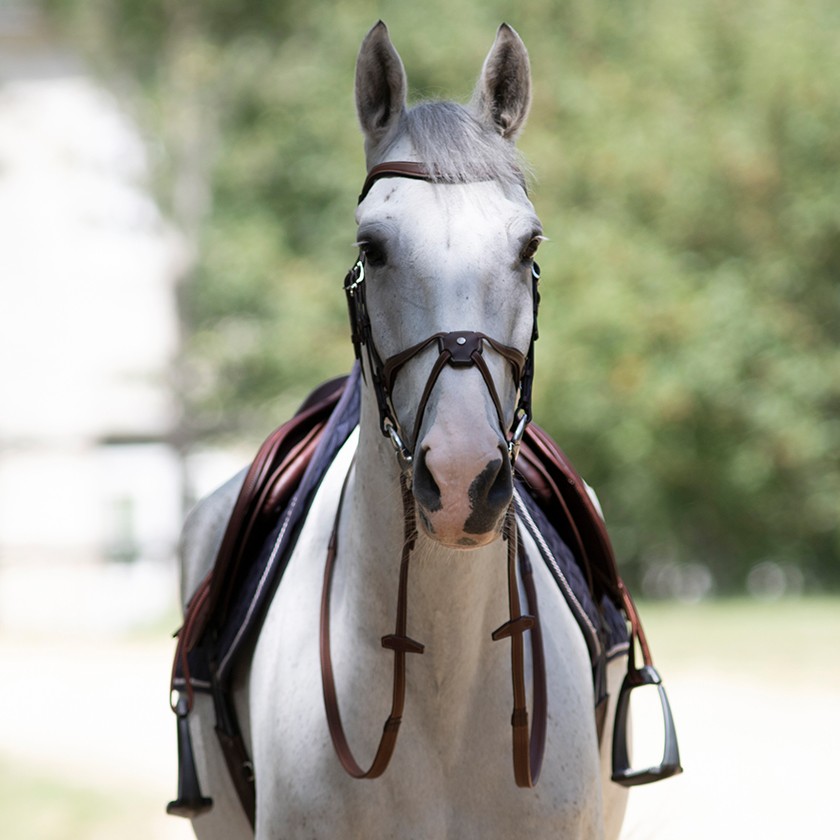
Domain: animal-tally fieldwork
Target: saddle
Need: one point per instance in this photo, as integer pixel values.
(227, 608)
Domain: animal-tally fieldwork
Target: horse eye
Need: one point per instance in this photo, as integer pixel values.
(374, 254)
(530, 250)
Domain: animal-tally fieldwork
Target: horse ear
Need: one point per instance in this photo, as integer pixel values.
(381, 85)
(503, 94)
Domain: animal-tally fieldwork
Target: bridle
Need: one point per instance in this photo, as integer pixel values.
(459, 349)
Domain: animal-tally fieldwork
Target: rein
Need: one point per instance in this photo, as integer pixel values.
(459, 349)
(399, 642)
(528, 750)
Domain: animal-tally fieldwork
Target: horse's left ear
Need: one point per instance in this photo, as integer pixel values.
(503, 94)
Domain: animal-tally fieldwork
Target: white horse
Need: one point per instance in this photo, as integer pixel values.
(448, 255)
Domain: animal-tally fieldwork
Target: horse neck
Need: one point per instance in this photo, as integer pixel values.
(456, 597)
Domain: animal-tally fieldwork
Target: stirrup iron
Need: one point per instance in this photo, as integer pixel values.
(670, 764)
(190, 803)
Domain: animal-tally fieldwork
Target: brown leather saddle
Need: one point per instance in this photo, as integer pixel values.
(554, 491)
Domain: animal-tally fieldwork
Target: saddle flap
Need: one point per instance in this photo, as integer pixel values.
(561, 493)
(269, 484)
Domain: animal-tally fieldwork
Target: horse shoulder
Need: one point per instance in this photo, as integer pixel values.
(201, 537)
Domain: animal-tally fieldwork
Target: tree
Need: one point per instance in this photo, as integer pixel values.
(688, 176)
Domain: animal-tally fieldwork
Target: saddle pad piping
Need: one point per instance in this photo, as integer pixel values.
(591, 636)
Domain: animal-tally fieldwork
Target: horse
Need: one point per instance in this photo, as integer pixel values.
(447, 238)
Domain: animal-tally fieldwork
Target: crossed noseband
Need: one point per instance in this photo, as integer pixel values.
(458, 349)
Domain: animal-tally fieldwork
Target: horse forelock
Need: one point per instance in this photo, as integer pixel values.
(456, 146)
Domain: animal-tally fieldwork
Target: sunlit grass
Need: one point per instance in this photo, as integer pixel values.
(789, 640)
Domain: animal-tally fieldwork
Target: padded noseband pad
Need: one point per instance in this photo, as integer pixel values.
(461, 346)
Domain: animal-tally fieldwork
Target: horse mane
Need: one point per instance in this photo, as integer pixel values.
(458, 147)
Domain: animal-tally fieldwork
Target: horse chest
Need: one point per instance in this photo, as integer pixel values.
(451, 774)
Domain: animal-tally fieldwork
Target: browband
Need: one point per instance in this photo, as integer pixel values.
(395, 169)
(404, 169)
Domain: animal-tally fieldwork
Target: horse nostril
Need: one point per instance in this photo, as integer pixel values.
(490, 493)
(426, 490)
(501, 490)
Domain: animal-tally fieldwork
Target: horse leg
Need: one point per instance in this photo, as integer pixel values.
(615, 796)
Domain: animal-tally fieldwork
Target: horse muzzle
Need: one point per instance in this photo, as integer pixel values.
(461, 465)
(462, 483)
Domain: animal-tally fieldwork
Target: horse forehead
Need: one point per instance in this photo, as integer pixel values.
(449, 215)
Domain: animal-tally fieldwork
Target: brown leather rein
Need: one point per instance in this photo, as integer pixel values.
(528, 750)
(458, 349)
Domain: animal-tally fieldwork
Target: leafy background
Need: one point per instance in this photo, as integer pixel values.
(688, 163)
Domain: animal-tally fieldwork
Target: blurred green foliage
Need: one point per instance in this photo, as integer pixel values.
(688, 160)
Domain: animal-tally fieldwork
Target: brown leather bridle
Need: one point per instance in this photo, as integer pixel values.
(459, 349)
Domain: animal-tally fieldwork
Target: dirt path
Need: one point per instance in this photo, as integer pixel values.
(96, 715)
(760, 757)
(760, 761)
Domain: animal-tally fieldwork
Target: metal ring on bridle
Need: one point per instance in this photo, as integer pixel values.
(516, 438)
(358, 275)
(403, 455)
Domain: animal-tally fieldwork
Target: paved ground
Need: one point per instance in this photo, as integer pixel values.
(760, 755)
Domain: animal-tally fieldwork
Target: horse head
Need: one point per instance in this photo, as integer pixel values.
(446, 283)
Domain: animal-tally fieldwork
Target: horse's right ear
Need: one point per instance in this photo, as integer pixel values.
(381, 86)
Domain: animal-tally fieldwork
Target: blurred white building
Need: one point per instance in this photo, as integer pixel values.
(88, 330)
